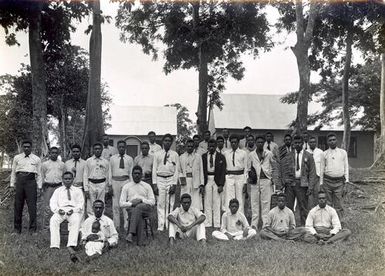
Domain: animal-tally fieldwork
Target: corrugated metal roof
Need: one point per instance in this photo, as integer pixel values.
(260, 112)
(139, 120)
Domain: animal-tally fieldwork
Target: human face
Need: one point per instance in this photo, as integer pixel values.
(305, 137)
(27, 148)
(196, 142)
(106, 140)
(322, 200)
(207, 136)
(234, 207)
(145, 149)
(98, 209)
(190, 147)
(53, 154)
(76, 153)
(186, 203)
(332, 142)
(98, 150)
(250, 141)
(212, 147)
(247, 131)
(151, 137)
(226, 133)
(137, 176)
(287, 141)
(269, 137)
(298, 143)
(260, 142)
(312, 144)
(67, 180)
(234, 143)
(122, 148)
(167, 143)
(220, 144)
(281, 202)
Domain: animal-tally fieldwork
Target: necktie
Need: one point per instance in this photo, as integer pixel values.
(211, 160)
(234, 158)
(26, 155)
(76, 162)
(68, 193)
(165, 158)
(121, 164)
(305, 146)
(226, 143)
(268, 145)
(297, 163)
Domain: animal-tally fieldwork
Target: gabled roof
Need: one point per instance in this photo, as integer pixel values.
(139, 120)
(259, 112)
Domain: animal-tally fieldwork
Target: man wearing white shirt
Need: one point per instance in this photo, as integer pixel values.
(305, 137)
(243, 141)
(226, 141)
(236, 175)
(76, 166)
(67, 203)
(334, 173)
(108, 150)
(323, 224)
(165, 177)
(271, 145)
(138, 198)
(154, 147)
(197, 149)
(120, 174)
(318, 155)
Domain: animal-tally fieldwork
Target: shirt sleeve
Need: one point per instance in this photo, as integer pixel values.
(39, 179)
(269, 219)
(176, 173)
(224, 223)
(150, 200)
(85, 177)
(322, 168)
(335, 222)
(110, 170)
(244, 221)
(346, 166)
(108, 182)
(245, 161)
(310, 223)
(13, 173)
(79, 201)
(113, 239)
(175, 213)
(130, 166)
(85, 229)
(201, 176)
(154, 168)
(292, 224)
(53, 202)
(123, 202)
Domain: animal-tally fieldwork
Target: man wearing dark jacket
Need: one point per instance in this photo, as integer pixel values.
(214, 172)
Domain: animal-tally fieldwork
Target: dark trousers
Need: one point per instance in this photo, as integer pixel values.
(26, 190)
(334, 190)
(136, 216)
(293, 192)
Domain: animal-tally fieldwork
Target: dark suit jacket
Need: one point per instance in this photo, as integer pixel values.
(308, 171)
(219, 168)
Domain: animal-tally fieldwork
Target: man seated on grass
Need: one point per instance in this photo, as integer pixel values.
(323, 224)
(280, 223)
(138, 198)
(234, 225)
(187, 222)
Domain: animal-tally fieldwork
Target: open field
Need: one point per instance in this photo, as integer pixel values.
(363, 254)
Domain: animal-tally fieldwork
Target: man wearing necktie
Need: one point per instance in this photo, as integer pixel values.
(26, 181)
(271, 145)
(236, 175)
(67, 203)
(299, 177)
(226, 141)
(121, 166)
(286, 147)
(305, 137)
(191, 175)
(165, 177)
(108, 150)
(214, 168)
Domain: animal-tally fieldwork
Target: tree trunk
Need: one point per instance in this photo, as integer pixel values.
(62, 129)
(93, 130)
(39, 92)
(382, 98)
(345, 92)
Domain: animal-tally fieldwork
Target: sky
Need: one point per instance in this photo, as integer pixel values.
(135, 79)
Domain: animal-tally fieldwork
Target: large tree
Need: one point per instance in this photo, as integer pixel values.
(185, 125)
(207, 36)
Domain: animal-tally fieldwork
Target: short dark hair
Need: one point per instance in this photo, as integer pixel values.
(312, 137)
(151, 132)
(234, 200)
(298, 137)
(137, 167)
(76, 146)
(97, 144)
(196, 136)
(212, 141)
(269, 132)
(207, 131)
(321, 192)
(287, 135)
(27, 141)
(168, 135)
(190, 141)
(250, 135)
(331, 134)
(282, 195)
(53, 148)
(98, 201)
(185, 196)
(234, 136)
(304, 132)
(246, 127)
(121, 142)
(220, 138)
(105, 135)
(260, 137)
(145, 143)
(68, 172)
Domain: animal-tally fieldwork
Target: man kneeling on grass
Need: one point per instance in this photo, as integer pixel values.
(187, 222)
(323, 224)
(280, 223)
(234, 225)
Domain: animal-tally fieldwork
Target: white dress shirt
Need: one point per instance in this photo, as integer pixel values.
(154, 148)
(186, 218)
(234, 224)
(77, 167)
(23, 163)
(335, 164)
(318, 154)
(323, 217)
(52, 171)
(115, 169)
(106, 226)
(60, 200)
(171, 167)
(132, 190)
(96, 168)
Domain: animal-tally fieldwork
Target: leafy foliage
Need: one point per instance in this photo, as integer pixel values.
(185, 125)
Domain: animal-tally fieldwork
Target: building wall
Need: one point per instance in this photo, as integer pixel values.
(363, 151)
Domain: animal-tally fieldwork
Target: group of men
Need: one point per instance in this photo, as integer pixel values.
(214, 178)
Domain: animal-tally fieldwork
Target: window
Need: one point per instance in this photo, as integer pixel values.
(352, 147)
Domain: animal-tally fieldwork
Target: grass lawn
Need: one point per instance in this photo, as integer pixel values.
(363, 254)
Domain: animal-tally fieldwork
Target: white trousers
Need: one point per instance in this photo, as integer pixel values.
(165, 200)
(97, 191)
(223, 199)
(234, 189)
(198, 232)
(260, 197)
(116, 210)
(94, 247)
(73, 228)
(237, 236)
(212, 203)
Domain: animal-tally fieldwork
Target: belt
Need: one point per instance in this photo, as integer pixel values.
(189, 174)
(210, 173)
(26, 175)
(340, 178)
(96, 181)
(164, 176)
(239, 172)
(121, 178)
(53, 185)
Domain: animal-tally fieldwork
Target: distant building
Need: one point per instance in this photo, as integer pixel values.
(266, 113)
(132, 124)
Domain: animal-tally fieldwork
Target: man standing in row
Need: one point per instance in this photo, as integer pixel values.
(204, 144)
(250, 144)
(243, 141)
(271, 145)
(145, 161)
(154, 147)
(286, 147)
(318, 155)
(191, 172)
(226, 141)
(96, 176)
(334, 173)
(26, 181)
(108, 150)
(76, 165)
(51, 172)
(120, 174)
(165, 177)
(214, 168)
